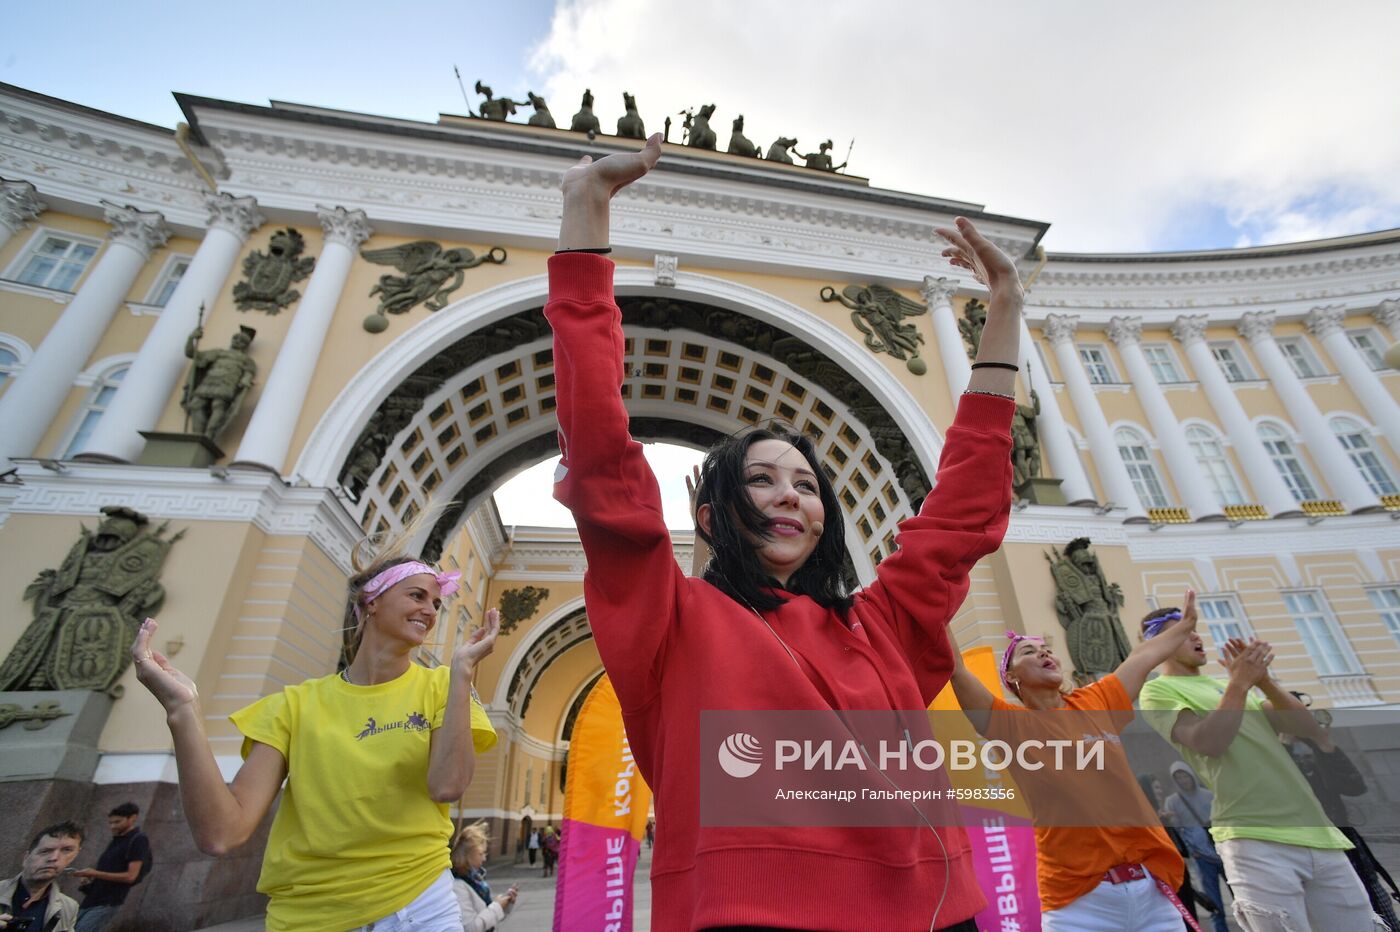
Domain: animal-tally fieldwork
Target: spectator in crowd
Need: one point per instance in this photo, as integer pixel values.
(125, 863)
(533, 845)
(480, 910)
(1187, 811)
(1283, 856)
(550, 843)
(32, 900)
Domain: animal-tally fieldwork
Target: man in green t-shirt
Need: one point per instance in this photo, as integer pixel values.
(1282, 855)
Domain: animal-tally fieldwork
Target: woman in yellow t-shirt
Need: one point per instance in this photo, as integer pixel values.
(371, 756)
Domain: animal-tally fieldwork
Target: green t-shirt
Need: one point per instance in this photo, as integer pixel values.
(1259, 792)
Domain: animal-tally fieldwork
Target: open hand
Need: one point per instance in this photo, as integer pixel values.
(480, 643)
(171, 688)
(611, 174)
(692, 486)
(969, 249)
(1248, 663)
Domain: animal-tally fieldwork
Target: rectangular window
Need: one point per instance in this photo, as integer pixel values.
(1369, 346)
(1387, 602)
(1323, 639)
(1304, 363)
(1231, 361)
(1096, 365)
(1162, 363)
(56, 261)
(165, 287)
(1222, 619)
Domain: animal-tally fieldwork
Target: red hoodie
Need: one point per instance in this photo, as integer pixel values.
(674, 646)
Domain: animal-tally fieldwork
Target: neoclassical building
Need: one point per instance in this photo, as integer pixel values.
(1220, 420)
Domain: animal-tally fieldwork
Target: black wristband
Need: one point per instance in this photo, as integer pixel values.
(596, 250)
(996, 365)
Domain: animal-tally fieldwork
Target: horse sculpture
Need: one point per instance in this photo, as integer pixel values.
(739, 144)
(630, 124)
(778, 151)
(701, 136)
(584, 121)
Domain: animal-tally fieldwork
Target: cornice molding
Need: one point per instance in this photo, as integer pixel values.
(1295, 536)
(185, 495)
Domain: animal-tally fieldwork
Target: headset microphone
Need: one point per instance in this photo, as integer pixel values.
(817, 528)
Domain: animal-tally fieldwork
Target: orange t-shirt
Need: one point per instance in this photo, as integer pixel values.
(1072, 859)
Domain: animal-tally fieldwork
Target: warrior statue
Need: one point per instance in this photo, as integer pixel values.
(541, 116)
(584, 121)
(87, 611)
(1025, 446)
(820, 160)
(701, 136)
(739, 143)
(1087, 604)
(630, 124)
(218, 382)
(496, 108)
(973, 320)
(778, 151)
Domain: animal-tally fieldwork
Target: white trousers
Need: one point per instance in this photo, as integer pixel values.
(433, 910)
(1134, 906)
(1289, 888)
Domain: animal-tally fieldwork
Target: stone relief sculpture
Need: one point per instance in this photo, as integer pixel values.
(970, 326)
(87, 611)
(584, 121)
(630, 124)
(820, 160)
(701, 136)
(218, 381)
(431, 274)
(496, 108)
(1087, 605)
(778, 151)
(270, 275)
(1025, 445)
(541, 116)
(878, 312)
(519, 605)
(739, 143)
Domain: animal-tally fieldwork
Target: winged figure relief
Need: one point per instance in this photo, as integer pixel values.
(430, 274)
(878, 312)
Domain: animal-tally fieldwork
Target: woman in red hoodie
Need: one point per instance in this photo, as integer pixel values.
(770, 625)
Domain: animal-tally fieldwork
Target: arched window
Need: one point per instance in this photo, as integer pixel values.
(1210, 453)
(99, 397)
(1353, 436)
(1133, 448)
(1287, 462)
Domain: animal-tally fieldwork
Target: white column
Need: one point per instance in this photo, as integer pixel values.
(19, 204)
(1346, 481)
(269, 434)
(1060, 449)
(938, 292)
(28, 407)
(1325, 323)
(1269, 488)
(1117, 484)
(145, 391)
(1192, 484)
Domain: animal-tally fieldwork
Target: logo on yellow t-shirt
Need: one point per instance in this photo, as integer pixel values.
(414, 722)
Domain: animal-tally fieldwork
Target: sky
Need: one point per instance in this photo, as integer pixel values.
(1128, 126)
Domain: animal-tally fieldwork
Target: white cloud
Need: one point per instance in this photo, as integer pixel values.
(1112, 121)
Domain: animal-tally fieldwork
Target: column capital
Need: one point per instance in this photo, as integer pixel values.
(1059, 328)
(1388, 313)
(143, 230)
(238, 215)
(1190, 328)
(937, 290)
(1257, 325)
(19, 203)
(1326, 320)
(347, 227)
(1125, 331)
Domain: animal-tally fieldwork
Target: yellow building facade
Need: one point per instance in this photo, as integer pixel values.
(1217, 420)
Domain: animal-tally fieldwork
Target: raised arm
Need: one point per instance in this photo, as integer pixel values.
(700, 555)
(452, 757)
(1001, 335)
(1212, 733)
(221, 816)
(1148, 655)
(976, 700)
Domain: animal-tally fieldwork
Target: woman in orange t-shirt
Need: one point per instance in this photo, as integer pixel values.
(1103, 861)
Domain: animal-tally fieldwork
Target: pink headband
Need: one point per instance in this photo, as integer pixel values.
(401, 571)
(1011, 649)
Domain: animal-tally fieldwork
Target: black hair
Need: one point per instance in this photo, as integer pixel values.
(125, 810)
(735, 521)
(1155, 614)
(57, 830)
(1145, 781)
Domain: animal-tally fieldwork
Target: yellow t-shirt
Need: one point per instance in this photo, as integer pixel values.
(356, 836)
